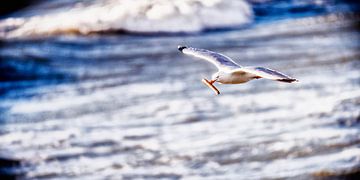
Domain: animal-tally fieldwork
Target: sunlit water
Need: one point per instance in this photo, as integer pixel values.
(125, 106)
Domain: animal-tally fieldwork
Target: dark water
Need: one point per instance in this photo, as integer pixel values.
(131, 106)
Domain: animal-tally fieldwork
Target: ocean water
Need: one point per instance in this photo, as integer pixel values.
(98, 90)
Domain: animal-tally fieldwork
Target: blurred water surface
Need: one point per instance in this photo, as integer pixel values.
(131, 106)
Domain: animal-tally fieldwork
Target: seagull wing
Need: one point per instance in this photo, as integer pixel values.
(261, 72)
(219, 60)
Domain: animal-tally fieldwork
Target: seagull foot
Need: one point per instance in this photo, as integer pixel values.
(210, 85)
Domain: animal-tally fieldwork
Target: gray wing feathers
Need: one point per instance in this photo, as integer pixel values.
(219, 60)
(261, 72)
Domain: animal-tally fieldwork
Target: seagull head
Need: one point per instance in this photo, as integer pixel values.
(180, 48)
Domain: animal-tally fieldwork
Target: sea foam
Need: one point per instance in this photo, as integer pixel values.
(140, 16)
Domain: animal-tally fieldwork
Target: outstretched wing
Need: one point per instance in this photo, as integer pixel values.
(261, 72)
(219, 60)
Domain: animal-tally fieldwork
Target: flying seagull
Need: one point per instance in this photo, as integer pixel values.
(229, 72)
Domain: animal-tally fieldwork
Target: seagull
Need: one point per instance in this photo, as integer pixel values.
(229, 72)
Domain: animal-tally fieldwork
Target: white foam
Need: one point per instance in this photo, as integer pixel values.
(141, 16)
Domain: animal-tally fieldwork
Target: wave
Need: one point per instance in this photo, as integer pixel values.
(140, 16)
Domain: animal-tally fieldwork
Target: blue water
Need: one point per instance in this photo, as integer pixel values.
(123, 104)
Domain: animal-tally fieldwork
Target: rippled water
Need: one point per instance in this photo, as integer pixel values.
(124, 106)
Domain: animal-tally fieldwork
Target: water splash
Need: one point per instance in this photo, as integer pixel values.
(141, 16)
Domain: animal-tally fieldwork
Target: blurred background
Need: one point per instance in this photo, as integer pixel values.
(94, 89)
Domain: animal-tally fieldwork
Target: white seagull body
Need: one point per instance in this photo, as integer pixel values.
(229, 72)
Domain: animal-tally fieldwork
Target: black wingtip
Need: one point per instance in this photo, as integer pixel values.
(289, 80)
(180, 48)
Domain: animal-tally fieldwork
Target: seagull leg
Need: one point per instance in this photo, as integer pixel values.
(210, 85)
